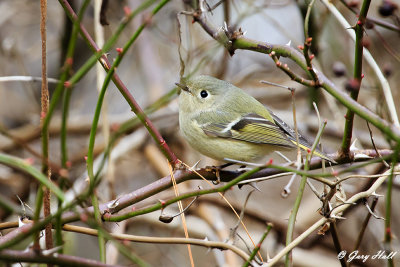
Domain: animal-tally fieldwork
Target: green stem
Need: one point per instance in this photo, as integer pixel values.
(299, 197)
(90, 159)
(67, 93)
(292, 218)
(36, 216)
(22, 165)
(107, 80)
(257, 248)
(100, 236)
(358, 55)
(310, 44)
(132, 103)
(65, 107)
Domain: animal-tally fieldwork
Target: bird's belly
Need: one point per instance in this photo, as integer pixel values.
(223, 149)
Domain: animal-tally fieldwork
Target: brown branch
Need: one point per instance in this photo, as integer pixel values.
(45, 135)
(9, 255)
(285, 68)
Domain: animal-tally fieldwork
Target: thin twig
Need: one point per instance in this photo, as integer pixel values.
(336, 242)
(379, 22)
(387, 46)
(290, 73)
(374, 146)
(365, 224)
(242, 213)
(161, 240)
(181, 62)
(220, 190)
(26, 79)
(183, 218)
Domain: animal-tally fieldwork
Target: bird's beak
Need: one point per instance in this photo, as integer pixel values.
(183, 87)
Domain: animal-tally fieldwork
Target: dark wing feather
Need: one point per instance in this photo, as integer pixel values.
(291, 134)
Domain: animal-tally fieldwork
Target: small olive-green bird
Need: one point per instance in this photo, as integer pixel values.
(223, 122)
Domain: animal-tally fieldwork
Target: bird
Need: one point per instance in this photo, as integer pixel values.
(225, 123)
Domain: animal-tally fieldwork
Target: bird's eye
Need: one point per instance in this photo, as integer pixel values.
(203, 94)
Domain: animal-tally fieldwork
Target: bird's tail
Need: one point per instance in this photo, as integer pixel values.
(317, 152)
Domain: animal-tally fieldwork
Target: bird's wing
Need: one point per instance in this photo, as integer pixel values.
(250, 128)
(303, 142)
(290, 133)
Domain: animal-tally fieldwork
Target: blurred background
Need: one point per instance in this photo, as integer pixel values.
(149, 70)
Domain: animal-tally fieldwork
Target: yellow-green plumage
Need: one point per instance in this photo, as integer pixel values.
(223, 122)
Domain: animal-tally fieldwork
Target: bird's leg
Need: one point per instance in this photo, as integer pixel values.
(216, 170)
